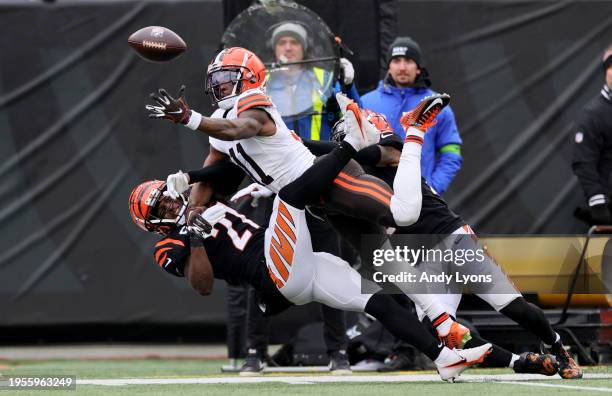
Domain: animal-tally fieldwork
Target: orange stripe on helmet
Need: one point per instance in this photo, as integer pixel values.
(364, 190)
(365, 183)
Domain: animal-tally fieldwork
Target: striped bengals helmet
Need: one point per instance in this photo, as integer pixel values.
(236, 66)
(154, 212)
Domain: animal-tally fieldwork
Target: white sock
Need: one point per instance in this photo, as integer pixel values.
(407, 198)
(444, 327)
(514, 358)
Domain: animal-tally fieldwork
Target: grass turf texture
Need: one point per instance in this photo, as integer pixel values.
(156, 368)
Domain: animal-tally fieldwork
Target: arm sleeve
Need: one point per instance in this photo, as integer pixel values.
(588, 143)
(225, 177)
(172, 252)
(448, 157)
(319, 147)
(369, 156)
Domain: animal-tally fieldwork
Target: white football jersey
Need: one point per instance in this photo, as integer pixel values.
(273, 161)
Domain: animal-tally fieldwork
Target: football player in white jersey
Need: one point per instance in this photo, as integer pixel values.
(298, 273)
(248, 130)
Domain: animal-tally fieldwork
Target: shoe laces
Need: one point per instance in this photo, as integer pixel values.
(423, 121)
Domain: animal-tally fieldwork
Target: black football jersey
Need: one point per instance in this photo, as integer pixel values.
(435, 217)
(235, 250)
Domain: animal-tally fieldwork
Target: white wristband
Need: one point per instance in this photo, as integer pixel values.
(194, 120)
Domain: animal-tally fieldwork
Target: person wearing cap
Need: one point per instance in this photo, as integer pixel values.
(405, 84)
(592, 151)
(300, 91)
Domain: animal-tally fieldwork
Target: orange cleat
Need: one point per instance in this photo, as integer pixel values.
(423, 116)
(457, 336)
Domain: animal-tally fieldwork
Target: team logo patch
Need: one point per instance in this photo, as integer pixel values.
(579, 137)
(399, 51)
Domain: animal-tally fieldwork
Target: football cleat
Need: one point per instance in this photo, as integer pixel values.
(533, 363)
(253, 365)
(360, 133)
(339, 363)
(457, 336)
(423, 116)
(568, 368)
(451, 363)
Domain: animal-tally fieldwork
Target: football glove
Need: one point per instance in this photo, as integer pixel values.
(176, 184)
(348, 72)
(255, 190)
(175, 110)
(203, 223)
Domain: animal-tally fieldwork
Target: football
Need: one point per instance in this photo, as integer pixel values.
(157, 43)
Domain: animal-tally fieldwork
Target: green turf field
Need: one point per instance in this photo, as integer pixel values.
(194, 369)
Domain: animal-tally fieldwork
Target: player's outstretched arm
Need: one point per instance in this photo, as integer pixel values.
(249, 123)
(201, 223)
(199, 272)
(202, 192)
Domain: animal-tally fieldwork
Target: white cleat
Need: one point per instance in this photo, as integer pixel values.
(451, 363)
(360, 133)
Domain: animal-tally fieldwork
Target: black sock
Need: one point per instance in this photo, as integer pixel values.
(308, 188)
(403, 324)
(531, 318)
(499, 357)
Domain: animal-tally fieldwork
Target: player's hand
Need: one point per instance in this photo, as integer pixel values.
(176, 184)
(203, 223)
(255, 190)
(175, 110)
(348, 72)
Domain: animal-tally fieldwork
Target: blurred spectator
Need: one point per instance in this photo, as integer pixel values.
(301, 92)
(592, 156)
(405, 84)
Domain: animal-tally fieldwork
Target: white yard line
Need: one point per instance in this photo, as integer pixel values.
(498, 378)
(558, 386)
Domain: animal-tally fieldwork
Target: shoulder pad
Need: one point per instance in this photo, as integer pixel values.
(252, 101)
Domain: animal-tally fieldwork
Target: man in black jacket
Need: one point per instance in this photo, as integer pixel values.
(592, 157)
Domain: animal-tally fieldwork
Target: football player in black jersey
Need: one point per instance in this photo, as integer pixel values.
(219, 242)
(437, 218)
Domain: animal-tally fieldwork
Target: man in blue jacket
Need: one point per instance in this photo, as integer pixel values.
(406, 83)
(301, 92)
